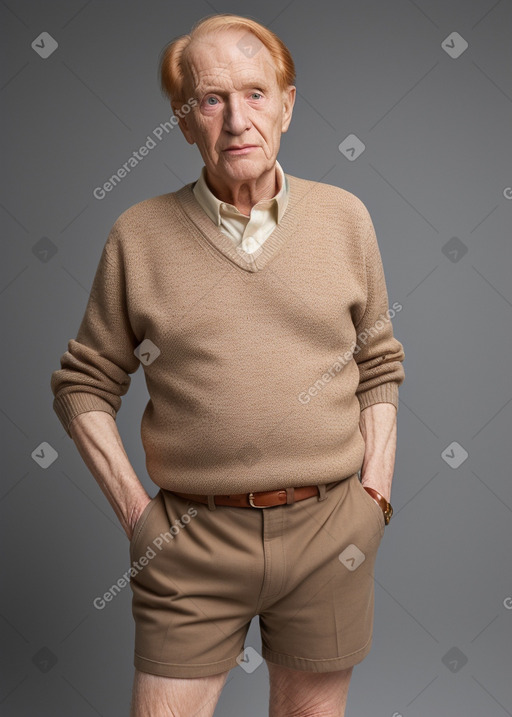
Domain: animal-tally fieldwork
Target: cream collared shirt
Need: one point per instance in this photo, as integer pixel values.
(247, 232)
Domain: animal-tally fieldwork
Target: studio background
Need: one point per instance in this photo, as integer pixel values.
(434, 116)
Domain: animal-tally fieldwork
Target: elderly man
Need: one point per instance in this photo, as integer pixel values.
(257, 305)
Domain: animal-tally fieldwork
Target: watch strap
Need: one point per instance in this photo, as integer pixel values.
(380, 500)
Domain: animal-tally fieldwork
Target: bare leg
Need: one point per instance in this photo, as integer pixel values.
(155, 696)
(297, 693)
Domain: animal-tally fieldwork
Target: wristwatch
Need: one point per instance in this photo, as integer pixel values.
(382, 502)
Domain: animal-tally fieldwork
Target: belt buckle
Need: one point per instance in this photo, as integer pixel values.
(251, 501)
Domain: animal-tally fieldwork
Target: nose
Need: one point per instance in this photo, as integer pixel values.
(236, 118)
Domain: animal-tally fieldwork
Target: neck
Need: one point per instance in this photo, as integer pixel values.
(244, 194)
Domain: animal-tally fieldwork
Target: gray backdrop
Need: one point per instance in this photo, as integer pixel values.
(434, 112)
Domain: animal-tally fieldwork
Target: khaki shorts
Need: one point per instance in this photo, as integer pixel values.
(199, 576)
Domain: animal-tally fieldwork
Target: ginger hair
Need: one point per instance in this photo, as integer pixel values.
(173, 58)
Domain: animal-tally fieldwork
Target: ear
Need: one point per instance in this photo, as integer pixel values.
(183, 123)
(288, 103)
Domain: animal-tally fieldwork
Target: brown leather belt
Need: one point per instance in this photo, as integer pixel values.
(260, 499)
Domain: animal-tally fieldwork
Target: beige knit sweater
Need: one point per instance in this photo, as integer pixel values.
(257, 365)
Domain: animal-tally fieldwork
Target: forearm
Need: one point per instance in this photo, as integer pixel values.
(378, 427)
(99, 443)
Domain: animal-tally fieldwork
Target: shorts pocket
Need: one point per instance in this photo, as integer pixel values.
(141, 520)
(373, 506)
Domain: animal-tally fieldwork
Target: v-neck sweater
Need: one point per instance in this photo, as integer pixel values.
(257, 365)
(246, 232)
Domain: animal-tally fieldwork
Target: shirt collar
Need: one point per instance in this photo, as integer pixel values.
(212, 205)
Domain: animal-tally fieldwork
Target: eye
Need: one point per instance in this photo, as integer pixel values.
(211, 101)
(256, 93)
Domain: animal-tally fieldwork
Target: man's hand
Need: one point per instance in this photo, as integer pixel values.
(378, 427)
(99, 443)
(136, 513)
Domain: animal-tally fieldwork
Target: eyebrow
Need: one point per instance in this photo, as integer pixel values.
(206, 89)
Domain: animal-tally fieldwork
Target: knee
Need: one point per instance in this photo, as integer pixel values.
(311, 711)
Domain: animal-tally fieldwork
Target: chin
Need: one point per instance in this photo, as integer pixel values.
(243, 168)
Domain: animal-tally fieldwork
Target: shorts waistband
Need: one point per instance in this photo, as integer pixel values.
(262, 499)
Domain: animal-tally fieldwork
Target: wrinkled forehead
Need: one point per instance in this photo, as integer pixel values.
(228, 60)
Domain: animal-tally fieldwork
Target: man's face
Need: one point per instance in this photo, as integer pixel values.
(239, 103)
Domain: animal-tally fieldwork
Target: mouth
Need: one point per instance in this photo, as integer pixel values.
(240, 149)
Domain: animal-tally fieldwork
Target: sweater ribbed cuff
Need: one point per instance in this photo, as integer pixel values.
(70, 405)
(385, 393)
